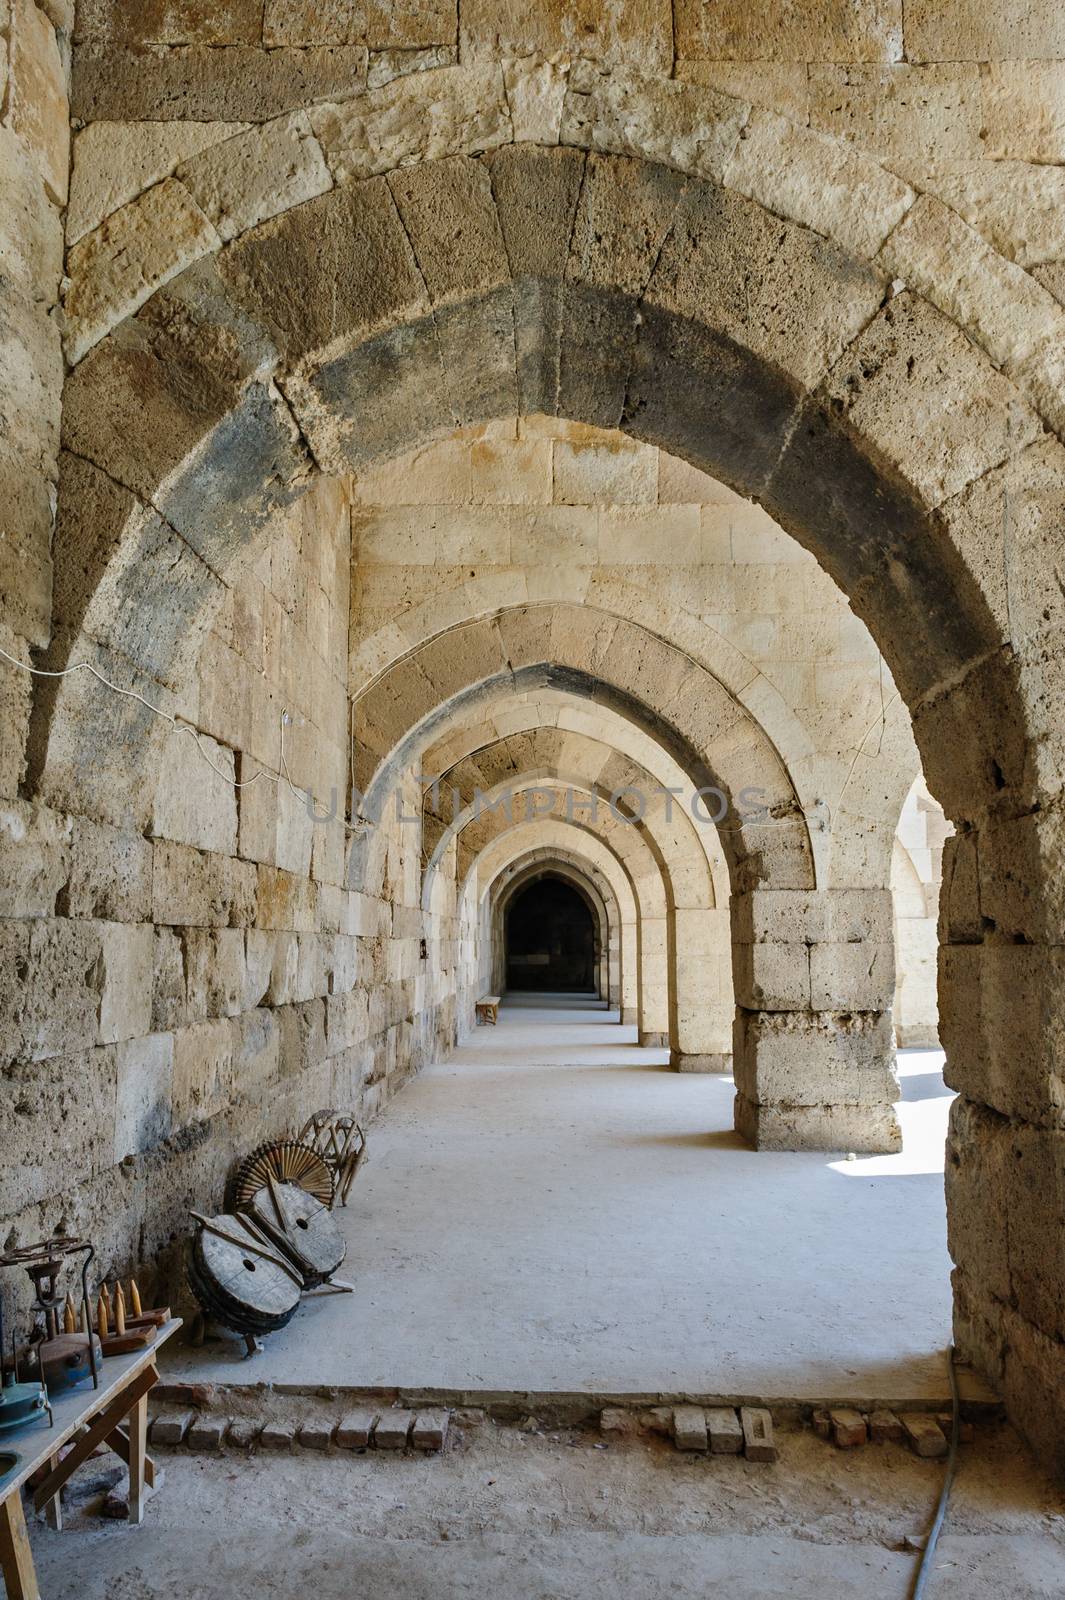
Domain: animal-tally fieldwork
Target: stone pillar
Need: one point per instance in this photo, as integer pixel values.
(814, 1056)
(1002, 1010)
(704, 999)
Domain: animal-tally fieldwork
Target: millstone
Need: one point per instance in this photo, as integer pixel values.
(302, 1227)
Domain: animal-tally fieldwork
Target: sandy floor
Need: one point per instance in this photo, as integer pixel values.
(552, 1209)
(506, 1515)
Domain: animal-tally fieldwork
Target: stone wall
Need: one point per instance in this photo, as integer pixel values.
(916, 877)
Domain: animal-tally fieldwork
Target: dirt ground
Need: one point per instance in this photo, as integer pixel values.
(508, 1513)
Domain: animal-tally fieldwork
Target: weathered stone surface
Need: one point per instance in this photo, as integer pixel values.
(257, 174)
(277, 1436)
(1000, 306)
(384, 65)
(680, 125)
(116, 268)
(59, 1121)
(1018, 206)
(315, 1435)
(171, 1427)
(34, 859)
(794, 299)
(392, 1430)
(848, 1428)
(1023, 110)
(757, 1424)
(639, 33)
(125, 980)
(110, 874)
(689, 1428)
(31, 230)
(198, 83)
(823, 183)
(536, 90)
(354, 1430)
(924, 1434)
(801, 1058)
(195, 801)
(430, 1430)
(724, 1430)
(37, 97)
(145, 1082)
(808, 31)
(901, 112)
(423, 117)
(170, 22)
(888, 385)
(203, 1071)
(207, 1433)
(371, 22)
(114, 162)
(983, 30)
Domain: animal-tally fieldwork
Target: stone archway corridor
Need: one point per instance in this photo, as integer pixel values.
(552, 1210)
(497, 500)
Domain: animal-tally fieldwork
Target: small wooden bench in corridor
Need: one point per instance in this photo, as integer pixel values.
(487, 1009)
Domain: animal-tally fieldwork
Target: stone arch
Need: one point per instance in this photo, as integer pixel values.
(590, 854)
(866, 421)
(503, 896)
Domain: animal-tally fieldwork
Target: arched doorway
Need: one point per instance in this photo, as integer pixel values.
(550, 939)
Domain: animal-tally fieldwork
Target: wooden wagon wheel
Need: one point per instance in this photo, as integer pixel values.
(286, 1161)
(301, 1227)
(240, 1282)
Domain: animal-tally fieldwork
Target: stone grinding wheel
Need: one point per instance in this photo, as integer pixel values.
(287, 1161)
(301, 1227)
(239, 1288)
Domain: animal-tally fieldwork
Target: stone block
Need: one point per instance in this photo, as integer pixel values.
(1023, 109)
(277, 1436)
(724, 1430)
(31, 229)
(430, 1430)
(370, 22)
(170, 22)
(256, 1060)
(207, 1433)
(195, 802)
(826, 184)
(295, 832)
(640, 34)
(145, 1082)
(864, 1129)
(215, 971)
(689, 1428)
(37, 97)
(848, 1428)
(114, 162)
(782, 31)
(611, 473)
(1018, 206)
(256, 174)
(316, 1435)
(815, 1058)
(536, 90)
(773, 977)
(925, 1436)
(423, 117)
(852, 977)
(354, 1430)
(133, 252)
(170, 1427)
(983, 30)
(204, 1070)
(392, 1430)
(200, 83)
(885, 1428)
(57, 1120)
(110, 874)
(34, 858)
(941, 453)
(758, 1442)
(243, 1433)
(191, 888)
(900, 112)
(680, 125)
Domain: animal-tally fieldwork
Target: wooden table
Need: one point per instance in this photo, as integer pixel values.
(487, 1009)
(115, 1414)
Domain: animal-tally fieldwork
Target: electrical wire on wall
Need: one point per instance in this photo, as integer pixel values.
(279, 777)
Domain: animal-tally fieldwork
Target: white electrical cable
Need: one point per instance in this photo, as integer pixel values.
(276, 778)
(924, 1569)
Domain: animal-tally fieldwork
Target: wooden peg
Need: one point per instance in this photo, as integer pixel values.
(70, 1316)
(103, 1318)
(120, 1310)
(135, 1298)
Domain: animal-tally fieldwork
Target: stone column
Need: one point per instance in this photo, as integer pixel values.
(814, 1055)
(704, 1003)
(1002, 1010)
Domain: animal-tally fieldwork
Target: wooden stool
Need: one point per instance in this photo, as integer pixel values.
(487, 1009)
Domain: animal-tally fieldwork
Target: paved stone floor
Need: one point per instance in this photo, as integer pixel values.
(551, 1208)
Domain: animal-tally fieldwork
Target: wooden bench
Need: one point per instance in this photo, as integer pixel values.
(115, 1414)
(487, 1009)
